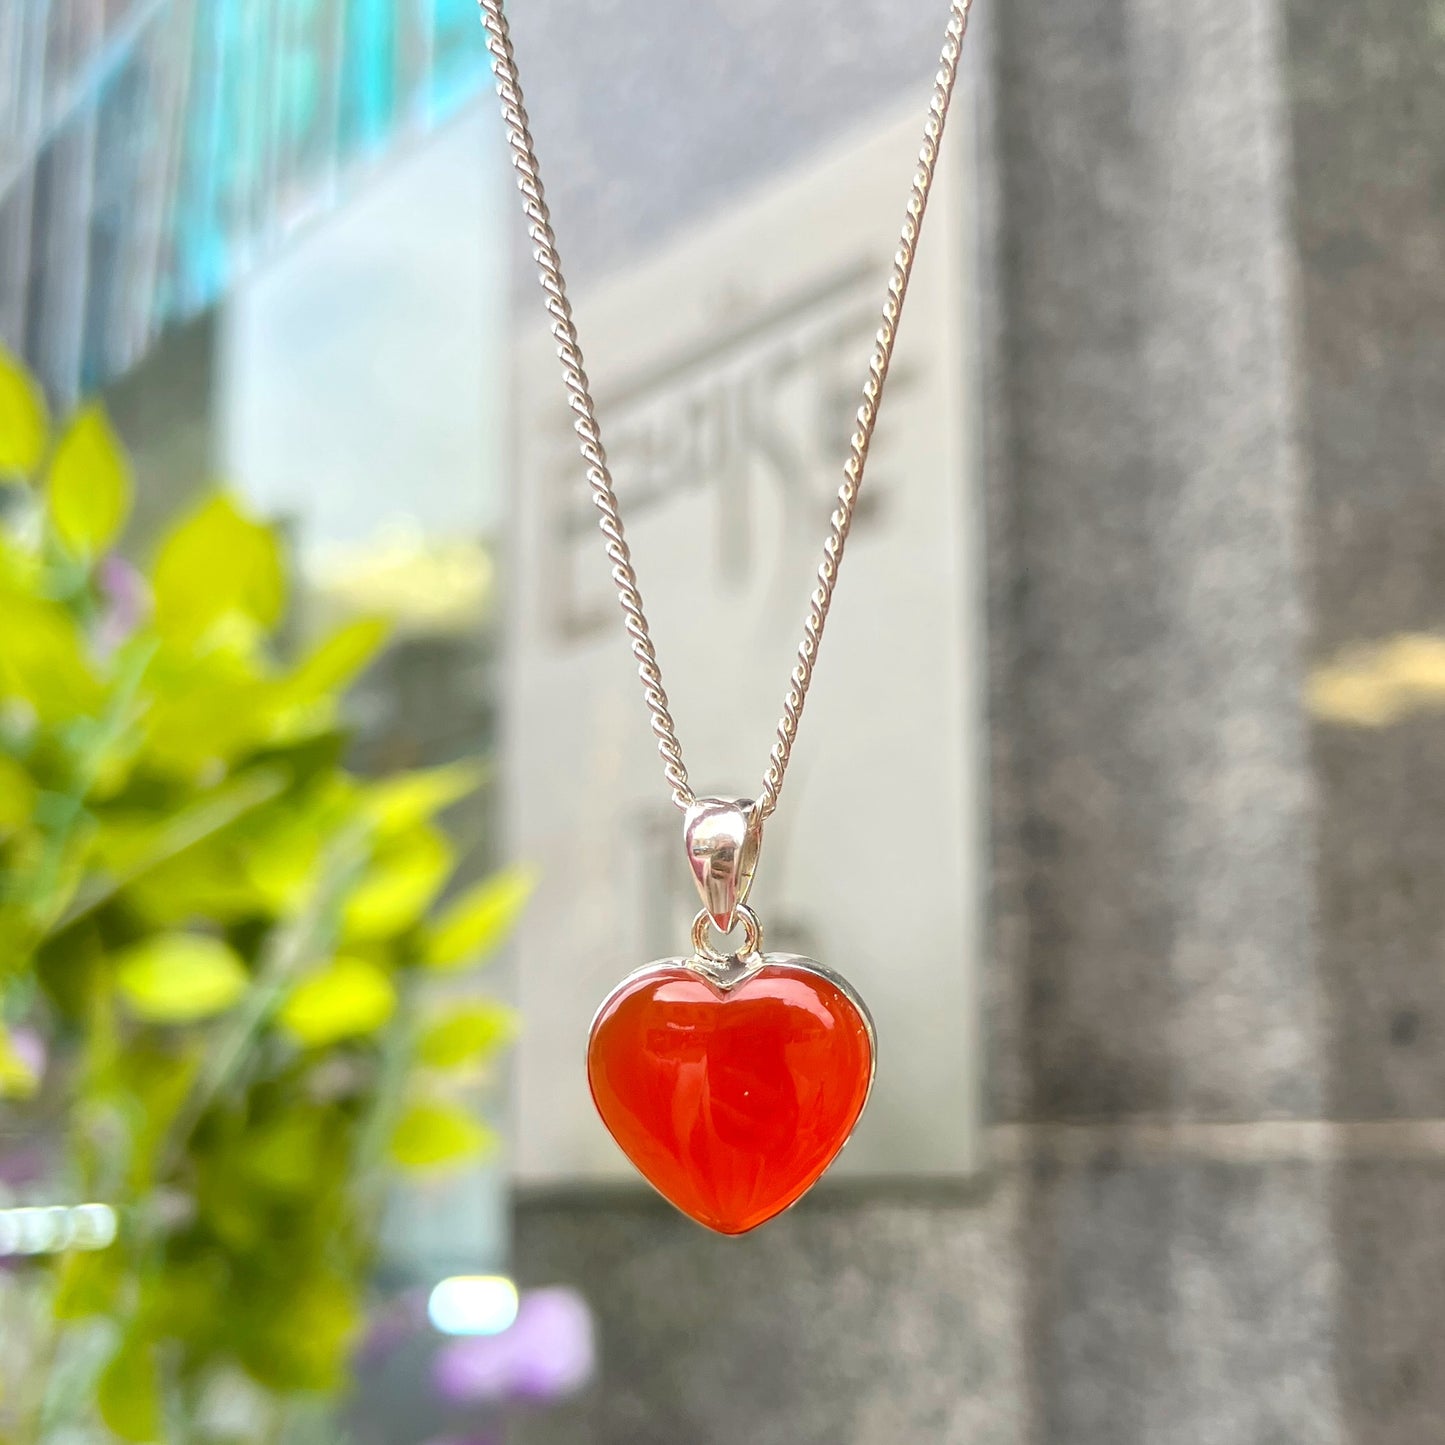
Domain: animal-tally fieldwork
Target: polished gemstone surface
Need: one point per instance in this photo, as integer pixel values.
(730, 1104)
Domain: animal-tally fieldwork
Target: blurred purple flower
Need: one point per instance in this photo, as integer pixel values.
(29, 1048)
(547, 1354)
(399, 1320)
(25, 1161)
(23, 1164)
(124, 597)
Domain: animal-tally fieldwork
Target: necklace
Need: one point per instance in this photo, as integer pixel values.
(730, 1079)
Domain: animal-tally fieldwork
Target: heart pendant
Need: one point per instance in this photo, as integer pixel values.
(731, 1081)
(731, 1084)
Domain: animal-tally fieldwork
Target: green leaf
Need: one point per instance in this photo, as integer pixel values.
(326, 1316)
(193, 1299)
(43, 661)
(87, 1283)
(207, 709)
(128, 1392)
(282, 858)
(406, 874)
(217, 563)
(89, 491)
(286, 1155)
(466, 1035)
(349, 997)
(206, 882)
(71, 967)
(151, 1079)
(127, 846)
(299, 1337)
(177, 978)
(403, 801)
(436, 1134)
(335, 661)
(17, 1079)
(23, 422)
(478, 923)
(17, 796)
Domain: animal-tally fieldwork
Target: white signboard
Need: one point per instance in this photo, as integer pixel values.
(727, 369)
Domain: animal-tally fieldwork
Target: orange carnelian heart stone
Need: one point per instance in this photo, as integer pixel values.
(731, 1104)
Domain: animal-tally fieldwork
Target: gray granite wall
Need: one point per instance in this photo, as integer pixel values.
(1368, 128)
(1217, 398)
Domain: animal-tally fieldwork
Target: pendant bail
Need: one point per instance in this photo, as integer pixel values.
(722, 837)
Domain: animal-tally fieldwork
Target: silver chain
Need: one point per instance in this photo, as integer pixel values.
(579, 397)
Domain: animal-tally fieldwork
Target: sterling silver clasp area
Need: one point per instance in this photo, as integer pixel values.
(722, 837)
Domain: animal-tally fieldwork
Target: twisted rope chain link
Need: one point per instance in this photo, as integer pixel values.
(579, 398)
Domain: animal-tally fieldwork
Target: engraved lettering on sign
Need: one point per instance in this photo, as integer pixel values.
(766, 404)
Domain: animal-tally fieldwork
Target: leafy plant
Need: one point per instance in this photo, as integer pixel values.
(215, 954)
